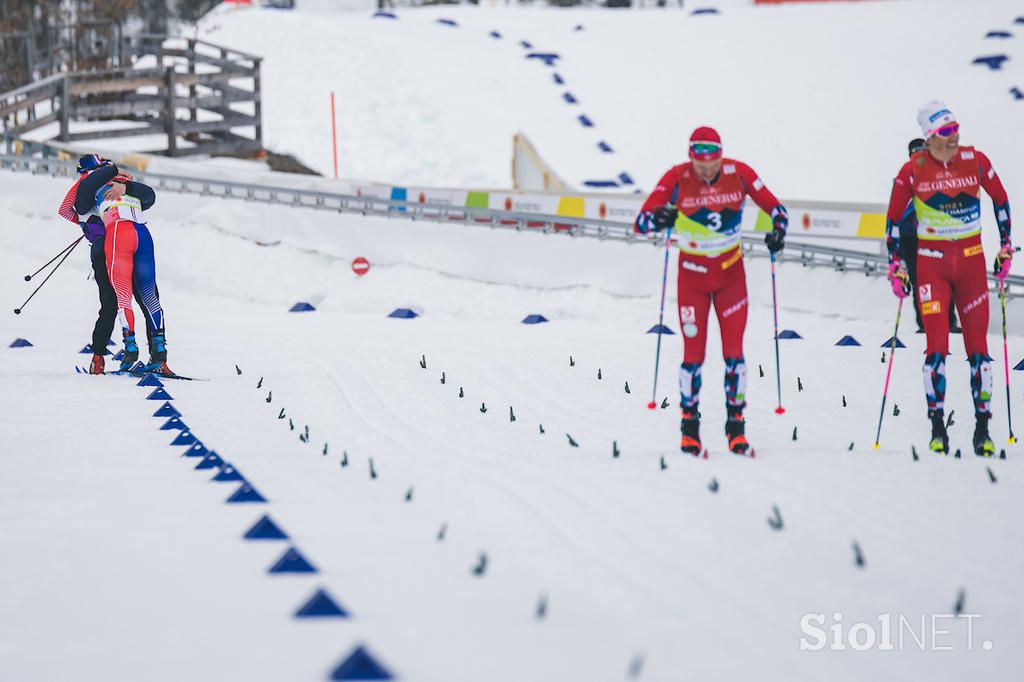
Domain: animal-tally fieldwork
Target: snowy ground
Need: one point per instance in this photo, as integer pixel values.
(124, 564)
(810, 95)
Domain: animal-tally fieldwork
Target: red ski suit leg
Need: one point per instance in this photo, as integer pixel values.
(704, 281)
(953, 270)
(120, 244)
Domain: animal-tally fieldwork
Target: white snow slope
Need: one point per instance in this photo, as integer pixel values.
(122, 563)
(821, 98)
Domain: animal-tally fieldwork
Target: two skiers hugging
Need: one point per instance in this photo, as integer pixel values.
(936, 197)
(108, 203)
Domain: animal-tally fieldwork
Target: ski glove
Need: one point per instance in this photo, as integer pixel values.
(775, 240)
(1001, 266)
(664, 217)
(93, 228)
(899, 280)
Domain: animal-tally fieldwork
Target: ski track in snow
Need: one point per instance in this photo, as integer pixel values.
(633, 560)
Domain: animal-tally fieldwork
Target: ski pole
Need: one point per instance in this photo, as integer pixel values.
(66, 248)
(661, 318)
(888, 373)
(775, 310)
(1006, 362)
(17, 311)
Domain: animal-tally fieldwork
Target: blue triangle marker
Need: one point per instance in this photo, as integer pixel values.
(534, 319)
(301, 307)
(1019, 365)
(246, 493)
(847, 341)
(197, 449)
(360, 665)
(265, 529)
(994, 62)
(789, 334)
(174, 423)
(159, 394)
(888, 343)
(403, 313)
(183, 437)
(119, 356)
(166, 410)
(20, 343)
(292, 562)
(320, 605)
(211, 461)
(660, 328)
(227, 473)
(150, 380)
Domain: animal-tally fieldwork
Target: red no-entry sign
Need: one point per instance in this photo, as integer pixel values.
(360, 266)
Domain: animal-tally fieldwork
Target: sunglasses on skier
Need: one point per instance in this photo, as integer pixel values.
(947, 130)
(705, 150)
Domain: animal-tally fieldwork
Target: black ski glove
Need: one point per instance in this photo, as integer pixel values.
(776, 239)
(664, 217)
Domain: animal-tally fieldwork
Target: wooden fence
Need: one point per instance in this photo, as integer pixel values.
(204, 98)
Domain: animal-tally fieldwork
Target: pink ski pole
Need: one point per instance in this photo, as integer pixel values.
(888, 373)
(1006, 361)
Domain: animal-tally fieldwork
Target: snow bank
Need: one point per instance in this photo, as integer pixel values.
(806, 94)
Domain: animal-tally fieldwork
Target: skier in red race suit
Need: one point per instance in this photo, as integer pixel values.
(703, 199)
(944, 182)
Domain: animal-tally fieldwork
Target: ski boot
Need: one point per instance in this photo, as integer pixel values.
(735, 431)
(157, 356)
(131, 351)
(690, 427)
(940, 439)
(98, 364)
(983, 445)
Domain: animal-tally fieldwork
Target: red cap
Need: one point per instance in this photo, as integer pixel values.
(705, 136)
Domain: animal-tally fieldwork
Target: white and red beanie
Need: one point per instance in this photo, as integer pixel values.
(701, 142)
(932, 116)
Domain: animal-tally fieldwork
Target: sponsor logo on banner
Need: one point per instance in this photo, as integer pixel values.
(817, 222)
(931, 307)
(687, 265)
(973, 250)
(925, 292)
(929, 253)
(686, 313)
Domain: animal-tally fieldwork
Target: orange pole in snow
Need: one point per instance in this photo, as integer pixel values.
(334, 138)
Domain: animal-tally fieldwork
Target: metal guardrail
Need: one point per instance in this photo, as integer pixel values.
(807, 254)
